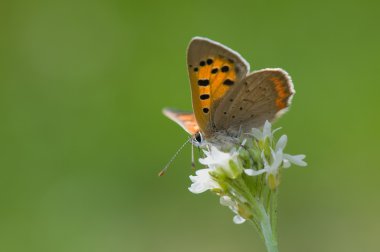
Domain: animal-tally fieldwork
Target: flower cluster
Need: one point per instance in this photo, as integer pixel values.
(277, 158)
(246, 177)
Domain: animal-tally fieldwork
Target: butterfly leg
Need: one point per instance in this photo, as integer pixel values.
(192, 158)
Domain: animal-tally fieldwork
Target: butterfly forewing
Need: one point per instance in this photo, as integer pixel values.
(185, 119)
(213, 70)
(262, 95)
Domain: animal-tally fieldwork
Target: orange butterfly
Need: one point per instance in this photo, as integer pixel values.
(227, 99)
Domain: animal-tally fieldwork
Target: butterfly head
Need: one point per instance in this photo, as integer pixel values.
(197, 139)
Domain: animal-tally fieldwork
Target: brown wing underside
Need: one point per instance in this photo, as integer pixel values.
(262, 95)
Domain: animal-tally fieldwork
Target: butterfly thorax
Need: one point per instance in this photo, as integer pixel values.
(221, 139)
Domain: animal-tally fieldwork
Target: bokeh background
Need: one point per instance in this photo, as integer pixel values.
(82, 137)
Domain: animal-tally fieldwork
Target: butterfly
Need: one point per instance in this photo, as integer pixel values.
(227, 99)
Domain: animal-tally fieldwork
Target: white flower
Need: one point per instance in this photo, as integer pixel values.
(223, 174)
(217, 159)
(272, 168)
(265, 133)
(202, 181)
(278, 158)
(288, 159)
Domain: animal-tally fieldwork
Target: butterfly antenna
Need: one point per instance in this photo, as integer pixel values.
(163, 171)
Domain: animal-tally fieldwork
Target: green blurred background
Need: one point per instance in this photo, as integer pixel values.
(82, 137)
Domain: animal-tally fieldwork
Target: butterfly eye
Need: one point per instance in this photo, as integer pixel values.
(198, 137)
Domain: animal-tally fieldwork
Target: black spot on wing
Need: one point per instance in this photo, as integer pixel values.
(228, 82)
(204, 96)
(204, 82)
(214, 70)
(225, 69)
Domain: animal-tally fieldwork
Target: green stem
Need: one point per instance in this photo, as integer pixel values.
(269, 235)
(264, 214)
(273, 212)
(262, 209)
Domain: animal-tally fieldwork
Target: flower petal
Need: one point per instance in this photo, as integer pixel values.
(197, 188)
(206, 161)
(226, 201)
(202, 182)
(286, 163)
(281, 144)
(257, 134)
(264, 159)
(278, 156)
(238, 219)
(251, 172)
(296, 159)
(267, 132)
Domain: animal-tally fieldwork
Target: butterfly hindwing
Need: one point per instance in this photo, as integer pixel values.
(262, 95)
(213, 70)
(185, 119)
